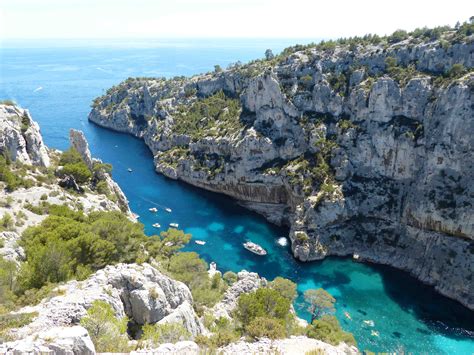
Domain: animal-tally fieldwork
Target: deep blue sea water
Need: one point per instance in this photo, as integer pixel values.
(57, 81)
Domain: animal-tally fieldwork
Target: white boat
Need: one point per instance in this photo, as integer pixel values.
(174, 225)
(129, 170)
(167, 209)
(355, 256)
(255, 248)
(369, 322)
(374, 333)
(153, 209)
(200, 242)
(282, 241)
(156, 225)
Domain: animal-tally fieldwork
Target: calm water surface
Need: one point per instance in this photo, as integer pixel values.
(57, 82)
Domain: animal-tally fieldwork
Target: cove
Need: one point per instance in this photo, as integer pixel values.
(406, 314)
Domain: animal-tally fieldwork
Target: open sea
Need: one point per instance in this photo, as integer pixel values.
(57, 81)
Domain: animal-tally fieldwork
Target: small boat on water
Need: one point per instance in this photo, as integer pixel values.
(374, 333)
(355, 256)
(129, 170)
(255, 248)
(282, 241)
(167, 209)
(369, 322)
(174, 225)
(348, 316)
(156, 225)
(153, 209)
(200, 242)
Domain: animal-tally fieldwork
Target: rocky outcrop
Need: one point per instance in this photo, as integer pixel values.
(20, 137)
(264, 346)
(355, 155)
(139, 292)
(9, 248)
(246, 282)
(58, 340)
(292, 345)
(79, 142)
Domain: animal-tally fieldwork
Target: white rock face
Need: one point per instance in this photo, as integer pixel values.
(290, 346)
(20, 137)
(11, 250)
(179, 348)
(246, 282)
(138, 291)
(57, 341)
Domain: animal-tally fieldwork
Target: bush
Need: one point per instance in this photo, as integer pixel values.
(79, 171)
(320, 302)
(285, 287)
(264, 302)
(7, 102)
(7, 222)
(102, 188)
(230, 277)
(11, 180)
(329, 330)
(106, 331)
(164, 333)
(68, 243)
(397, 36)
(192, 270)
(266, 327)
(70, 156)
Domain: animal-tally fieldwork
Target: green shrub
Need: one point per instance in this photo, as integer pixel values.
(71, 243)
(230, 277)
(79, 171)
(6, 222)
(397, 36)
(102, 188)
(192, 270)
(44, 197)
(106, 331)
(266, 327)
(285, 287)
(264, 302)
(12, 321)
(164, 333)
(7, 102)
(70, 156)
(329, 330)
(320, 302)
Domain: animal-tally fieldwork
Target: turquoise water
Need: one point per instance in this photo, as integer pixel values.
(406, 314)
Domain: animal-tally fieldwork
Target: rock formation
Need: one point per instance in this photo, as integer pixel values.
(20, 137)
(361, 149)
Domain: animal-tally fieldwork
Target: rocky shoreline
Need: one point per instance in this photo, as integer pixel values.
(363, 150)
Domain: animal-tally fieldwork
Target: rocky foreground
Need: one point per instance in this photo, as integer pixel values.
(363, 147)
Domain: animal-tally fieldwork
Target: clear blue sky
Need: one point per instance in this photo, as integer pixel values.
(222, 18)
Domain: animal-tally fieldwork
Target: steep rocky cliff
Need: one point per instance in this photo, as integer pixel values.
(362, 147)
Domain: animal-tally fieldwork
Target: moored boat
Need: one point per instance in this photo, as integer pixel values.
(129, 170)
(167, 209)
(153, 209)
(255, 248)
(200, 242)
(174, 225)
(156, 225)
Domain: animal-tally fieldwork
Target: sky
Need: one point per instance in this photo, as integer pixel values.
(69, 19)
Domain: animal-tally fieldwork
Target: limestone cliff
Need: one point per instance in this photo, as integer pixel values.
(363, 148)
